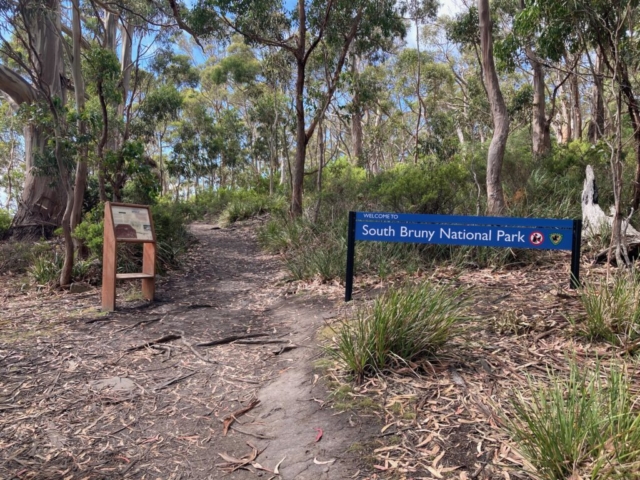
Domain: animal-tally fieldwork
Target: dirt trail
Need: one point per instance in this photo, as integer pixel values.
(78, 400)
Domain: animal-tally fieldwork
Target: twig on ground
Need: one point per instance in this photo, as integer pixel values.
(164, 339)
(228, 421)
(230, 339)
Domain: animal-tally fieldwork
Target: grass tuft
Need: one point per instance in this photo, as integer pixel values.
(400, 326)
(612, 310)
(584, 425)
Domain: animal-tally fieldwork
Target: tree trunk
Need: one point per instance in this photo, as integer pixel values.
(78, 81)
(42, 204)
(576, 112)
(541, 136)
(301, 144)
(596, 126)
(495, 194)
(565, 127)
(418, 81)
(356, 117)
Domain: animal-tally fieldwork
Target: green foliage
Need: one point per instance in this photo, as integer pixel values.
(582, 425)
(402, 325)
(172, 235)
(248, 204)
(5, 221)
(612, 310)
(101, 69)
(429, 187)
(46, 265)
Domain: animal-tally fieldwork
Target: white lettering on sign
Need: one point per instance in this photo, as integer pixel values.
(411, 233)
(510, 237)
(380, 232)
(383, 216)
(464, 235)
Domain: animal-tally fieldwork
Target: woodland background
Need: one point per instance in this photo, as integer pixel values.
(306, 110)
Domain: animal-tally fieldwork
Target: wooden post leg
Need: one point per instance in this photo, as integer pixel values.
(108, 263)
(149, 268)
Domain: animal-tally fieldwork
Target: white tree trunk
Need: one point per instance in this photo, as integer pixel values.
(594, 220)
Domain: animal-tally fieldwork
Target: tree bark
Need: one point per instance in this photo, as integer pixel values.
(576, 111)
(301, 143)
(356, 117)
(495, 156)
(42, 204)
(78, 81)
(596, 126)
(541, 135)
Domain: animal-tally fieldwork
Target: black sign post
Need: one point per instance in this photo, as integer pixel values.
(504, 232)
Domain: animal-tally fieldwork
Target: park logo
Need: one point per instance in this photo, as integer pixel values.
(536, 238)
(555, 238)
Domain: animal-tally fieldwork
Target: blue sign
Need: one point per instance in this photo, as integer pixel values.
(545, 234)
(504, 232)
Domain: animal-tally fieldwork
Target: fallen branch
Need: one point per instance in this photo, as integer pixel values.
(173, 381)
(228, 421)
(260, 342)
(141, 322)
(230, 339)
(190, 347)
(164, 339)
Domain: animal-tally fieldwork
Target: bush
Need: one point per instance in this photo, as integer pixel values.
(46, 265)
(245, 204)
(5, 222)
(400, 326)
(612, 310)
(429, 187)
(172, 235)
(578, 426)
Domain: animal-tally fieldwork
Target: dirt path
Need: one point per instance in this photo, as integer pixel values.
(83, 395)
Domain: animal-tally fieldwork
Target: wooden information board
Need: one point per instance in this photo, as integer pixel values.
(132, 224)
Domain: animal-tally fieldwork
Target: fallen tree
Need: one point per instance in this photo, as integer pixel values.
(595, 222)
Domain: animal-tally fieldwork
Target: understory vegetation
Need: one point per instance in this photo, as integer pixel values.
(402, 325)
(587, 423)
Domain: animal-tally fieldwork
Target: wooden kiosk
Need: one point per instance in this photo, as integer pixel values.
(130, 224)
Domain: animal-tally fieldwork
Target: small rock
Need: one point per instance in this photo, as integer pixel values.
(79, 287)
(115, 384)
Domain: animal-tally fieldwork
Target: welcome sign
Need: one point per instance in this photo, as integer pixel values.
(502, 232)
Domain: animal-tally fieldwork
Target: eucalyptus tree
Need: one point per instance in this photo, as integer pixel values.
(31, 78)
(299, 31)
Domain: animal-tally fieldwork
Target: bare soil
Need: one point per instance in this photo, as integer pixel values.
(131, 394)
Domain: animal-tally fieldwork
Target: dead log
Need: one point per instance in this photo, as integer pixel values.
(595, 222)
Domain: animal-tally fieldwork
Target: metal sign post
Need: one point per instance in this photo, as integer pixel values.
(131, 224)
(502, 232)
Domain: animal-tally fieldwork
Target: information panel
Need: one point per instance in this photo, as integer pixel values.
(502, 232)
(132, 223)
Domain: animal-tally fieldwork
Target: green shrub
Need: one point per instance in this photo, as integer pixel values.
(612, 310)
(582, 425)
(172, 235)
(246, 204)
(5, 221)
(401, 325)
(46, 265)
(429, 187)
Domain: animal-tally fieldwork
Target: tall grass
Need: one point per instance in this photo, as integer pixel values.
(584, 425)
(612, 310)
(403, 324)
